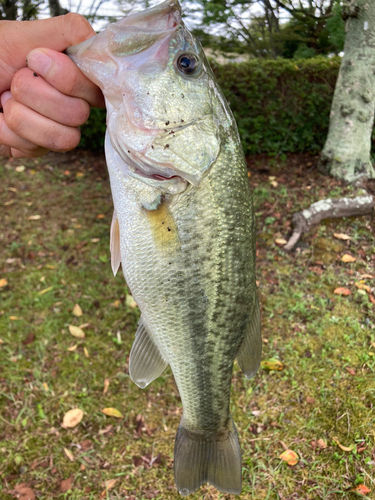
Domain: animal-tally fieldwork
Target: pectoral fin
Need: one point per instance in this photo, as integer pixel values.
(250, 351)
(114, 244)
(145, 362)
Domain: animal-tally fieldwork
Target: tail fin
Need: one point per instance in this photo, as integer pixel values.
(214, 458)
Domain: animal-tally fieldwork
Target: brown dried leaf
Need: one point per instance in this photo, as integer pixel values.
(342, 291)
(76, 331)
(348, 258)
(372, 298)
(290, 457)
(29, 339)
(23, 492)
(351, 371)
(110, 483)
(77, 311)
(106, 385)
(322, 444)
(310, 400)
(3, 282)
(344, 448)
(66, 484)
(72, 418)
(112, 412)
(362, 489)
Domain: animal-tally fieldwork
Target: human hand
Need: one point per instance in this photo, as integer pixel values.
(45, 102)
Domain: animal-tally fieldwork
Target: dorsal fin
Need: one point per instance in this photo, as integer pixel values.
(114, 244)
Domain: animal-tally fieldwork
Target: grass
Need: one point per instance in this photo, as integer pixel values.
(326, 343)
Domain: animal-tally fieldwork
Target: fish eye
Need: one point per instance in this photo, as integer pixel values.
(187, 64)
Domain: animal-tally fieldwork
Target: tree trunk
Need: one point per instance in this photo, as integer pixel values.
(55, 8)
(346, 154)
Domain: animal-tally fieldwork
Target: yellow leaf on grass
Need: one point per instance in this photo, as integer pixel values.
(95, 240)
(3, 282)
(361, 286)
(272, 364)
(112, 412)
(342, 236)
(20, 168)
(130, 301)
(290, 457)
(34, 217)
(77, 311)
(348, 258)
(14, 318)
(86, 352)
(46, 290)
(342, 291)
(280, 241)
(69, 454)
(106, 385)
(72, 418)
(110, 483)
(344, 448)
(72, 348)
(76, 331)
(100, 216)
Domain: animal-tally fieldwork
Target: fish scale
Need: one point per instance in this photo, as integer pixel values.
(183, 228)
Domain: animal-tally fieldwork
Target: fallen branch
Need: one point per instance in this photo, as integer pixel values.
(328, 209)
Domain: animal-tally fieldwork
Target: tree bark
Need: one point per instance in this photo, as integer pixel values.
(328, 209)
(346, 154)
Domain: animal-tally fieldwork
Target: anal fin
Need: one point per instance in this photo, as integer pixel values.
(250, 351)
(145, 361)
(114, 244)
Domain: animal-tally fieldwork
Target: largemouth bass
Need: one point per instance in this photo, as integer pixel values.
(182, 229)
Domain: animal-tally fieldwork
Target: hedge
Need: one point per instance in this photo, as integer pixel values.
(280, 105)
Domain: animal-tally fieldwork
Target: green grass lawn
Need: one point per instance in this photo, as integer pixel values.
(54, 253)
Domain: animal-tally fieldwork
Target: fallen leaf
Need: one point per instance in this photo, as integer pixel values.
(86, 444)
(110, 483)
(69, 454)
(367, 276)
(76, 331)
(66, 172)
(86, 352)
(361, 286)
(348, 258)
(341, 236)
(106, 385)
(130, 301)
(10, 202)
(66, 484)
(45, 386)
(29, 339)
(322, 444)
(342, 291)
(362, 489)
(372, 298)
(77, 311)
(280, 241)
(23, 492)
(20, 168)
(3, 282)
(106, 430)
(72, 418)
(14, 318)
(72, 348)
(272, 364)
(351, 371)
(34, 217)
(290, 457)
(84, 325)
(310, 400)
(46, 290)
(344, 448)
(79, 174)
(100, 216)
(95, 240)
(116, 303)
(112, 412)
(274, 183)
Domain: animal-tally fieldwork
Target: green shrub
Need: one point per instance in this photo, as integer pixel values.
(280, 105)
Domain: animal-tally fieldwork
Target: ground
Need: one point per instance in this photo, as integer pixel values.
(317, 401)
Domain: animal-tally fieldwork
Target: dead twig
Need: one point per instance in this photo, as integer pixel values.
(328, 209)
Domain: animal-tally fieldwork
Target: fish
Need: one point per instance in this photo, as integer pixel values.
(183, 228)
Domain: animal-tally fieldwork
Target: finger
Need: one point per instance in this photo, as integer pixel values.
(9, 140)
(35, 93)
(57, 33)
(36, 128)
(61, 72)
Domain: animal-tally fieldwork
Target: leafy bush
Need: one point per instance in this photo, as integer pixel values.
(280, 105)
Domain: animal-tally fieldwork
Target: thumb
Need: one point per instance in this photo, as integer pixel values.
(20, 37)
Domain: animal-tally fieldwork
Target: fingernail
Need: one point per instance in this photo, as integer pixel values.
(39, 61)
(4, 97)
